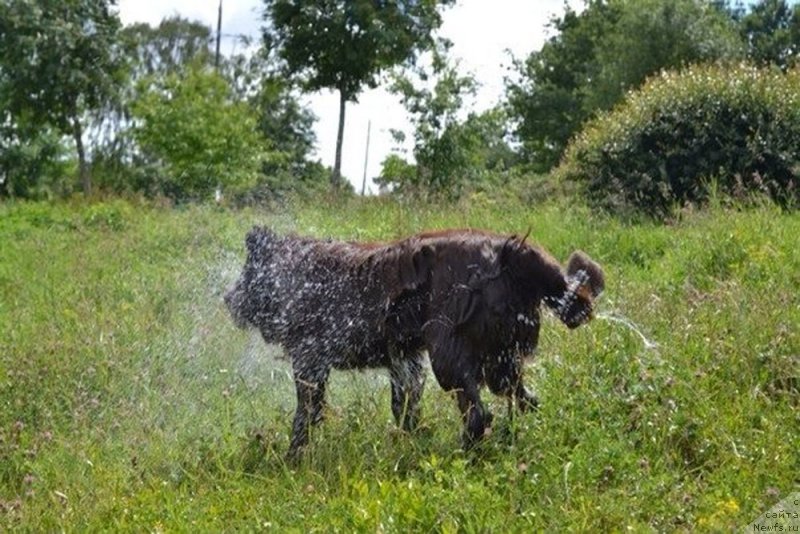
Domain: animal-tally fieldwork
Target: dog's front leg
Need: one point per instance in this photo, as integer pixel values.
(477, 418)
(310, 384)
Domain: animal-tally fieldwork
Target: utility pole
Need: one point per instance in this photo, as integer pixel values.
(366, 159)
(219, 35)
(218, 191)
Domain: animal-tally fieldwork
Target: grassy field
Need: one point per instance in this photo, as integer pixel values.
(129, 402)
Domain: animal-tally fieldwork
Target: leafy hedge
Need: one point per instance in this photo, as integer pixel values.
(737, 127)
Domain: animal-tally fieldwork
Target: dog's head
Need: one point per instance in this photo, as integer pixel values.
(585, 281)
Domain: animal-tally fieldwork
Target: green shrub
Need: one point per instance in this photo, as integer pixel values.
(737, 127)
(200, 136)
(113, 215)
(34, 164)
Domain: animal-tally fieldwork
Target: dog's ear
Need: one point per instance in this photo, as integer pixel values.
(510, 253)
(510, 246)
(579, 262)
(415, 266)
(257, 237)
(253, 239)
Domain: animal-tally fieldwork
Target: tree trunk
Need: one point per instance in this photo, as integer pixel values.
(336, 177)
(83, 167)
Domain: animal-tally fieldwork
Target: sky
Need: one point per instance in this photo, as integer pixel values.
(485, 35)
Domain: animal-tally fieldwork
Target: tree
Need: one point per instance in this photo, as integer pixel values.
(175, 49)
(654, 35)
(167, 48)
(56, 63)
(152, 53)
(468, 155)
(440, 149)
(771, 31)
(397, 175)
(32, 160)
(597, 55)
(344, 45)
(203, 136)
(546, 99)
(452, 153)
(280, 117)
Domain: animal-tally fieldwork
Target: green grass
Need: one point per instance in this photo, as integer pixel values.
(129, 402)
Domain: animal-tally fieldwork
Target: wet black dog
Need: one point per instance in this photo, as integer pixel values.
(470, 299)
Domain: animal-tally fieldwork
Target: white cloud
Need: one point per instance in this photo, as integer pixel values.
(482, 32)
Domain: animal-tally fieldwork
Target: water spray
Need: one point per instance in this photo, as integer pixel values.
(648, 345)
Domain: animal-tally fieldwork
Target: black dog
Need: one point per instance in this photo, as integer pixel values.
(469, 298)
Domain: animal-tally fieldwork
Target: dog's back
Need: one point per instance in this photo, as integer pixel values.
(316, 295)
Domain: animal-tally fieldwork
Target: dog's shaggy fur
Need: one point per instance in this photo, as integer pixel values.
(468, 298)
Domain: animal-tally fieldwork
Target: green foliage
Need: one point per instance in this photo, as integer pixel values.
(398, 175)
(56, 56)
(346, 44)
(157, 56)
(56, 63)
(738, 126)
(452, 154)
(465, 156)
(167, 48)
(204, 138)
(600, 53)
(282, 178)
(286, 124)
(771, 31)
(131, 403)
(148, 53)
(490, 158)
(653, 35)
(283, 120)
(33, 163)
(440, 149)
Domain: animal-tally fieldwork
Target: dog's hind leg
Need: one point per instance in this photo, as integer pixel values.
(310, 384)
(408, 381)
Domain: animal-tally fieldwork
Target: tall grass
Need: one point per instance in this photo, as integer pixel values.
(129, 402)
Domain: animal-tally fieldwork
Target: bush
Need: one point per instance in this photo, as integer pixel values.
(467, 156)
(738, 127)
(200, 136)
(281, 179)
(34, 164)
